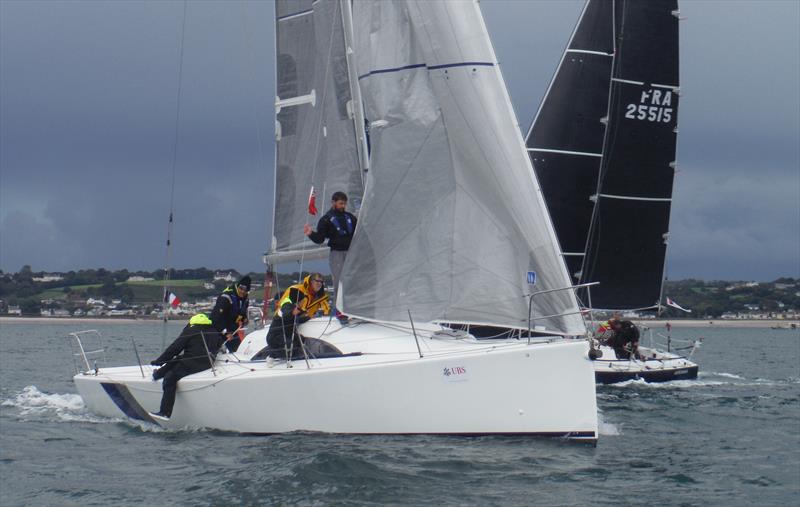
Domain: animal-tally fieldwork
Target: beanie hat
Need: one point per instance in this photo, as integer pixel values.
(245, 282)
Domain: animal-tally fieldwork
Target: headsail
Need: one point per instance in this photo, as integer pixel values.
(315, 129)
(603, 145)
(453, 218)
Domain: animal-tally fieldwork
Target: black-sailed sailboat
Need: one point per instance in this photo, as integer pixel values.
(603, 146)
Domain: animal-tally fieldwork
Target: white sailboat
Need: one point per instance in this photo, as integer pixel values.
(452, 229)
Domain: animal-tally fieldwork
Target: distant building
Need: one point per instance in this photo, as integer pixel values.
(14, 310)
(208, 286)
(48, 278)
(140, 279)
(228, 277)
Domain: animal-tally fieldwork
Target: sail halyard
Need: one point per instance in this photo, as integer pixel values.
(316, 136)
(452, 218)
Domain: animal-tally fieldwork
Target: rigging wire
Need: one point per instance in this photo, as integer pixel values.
(171, 222)
(250, 76)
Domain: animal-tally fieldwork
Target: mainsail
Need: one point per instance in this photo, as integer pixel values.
(317, 139)
(603, 146)
(453, 219)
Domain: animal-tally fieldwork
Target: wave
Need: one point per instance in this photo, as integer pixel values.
(33, 403)
(723, 374)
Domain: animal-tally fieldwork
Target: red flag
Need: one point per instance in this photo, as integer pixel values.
(312, 202)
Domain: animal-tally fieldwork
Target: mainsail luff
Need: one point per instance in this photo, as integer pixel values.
(452, 218)
(611, 205)
(316, 139)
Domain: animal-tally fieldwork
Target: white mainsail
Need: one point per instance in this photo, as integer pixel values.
(453, 218)
(316, 143)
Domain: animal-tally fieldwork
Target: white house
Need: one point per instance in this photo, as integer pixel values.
(228, 277)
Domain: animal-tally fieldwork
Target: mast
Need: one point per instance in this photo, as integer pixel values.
(356, 104)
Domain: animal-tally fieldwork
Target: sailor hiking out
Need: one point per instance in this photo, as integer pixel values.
(196, 347)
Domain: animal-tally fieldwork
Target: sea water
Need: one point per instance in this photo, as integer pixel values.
(731, 437)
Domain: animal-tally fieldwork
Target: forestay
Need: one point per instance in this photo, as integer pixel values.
(315, 130)
(453, 218)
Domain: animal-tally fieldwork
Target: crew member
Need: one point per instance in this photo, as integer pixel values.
(626, 341)
(607, 330)
(193, 351)
(337, 226)
(297, 305)
(196, 347)
(230, 312)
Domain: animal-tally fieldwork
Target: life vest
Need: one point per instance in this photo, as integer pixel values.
(345, 229)
(305, 303)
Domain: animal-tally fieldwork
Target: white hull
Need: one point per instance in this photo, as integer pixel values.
(460, 386)
(658, 367)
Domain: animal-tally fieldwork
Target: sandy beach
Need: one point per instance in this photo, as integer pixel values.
(648, 323)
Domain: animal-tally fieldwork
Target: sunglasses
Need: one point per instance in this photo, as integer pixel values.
(316, 280)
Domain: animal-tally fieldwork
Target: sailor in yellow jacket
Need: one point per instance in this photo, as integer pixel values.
(298, 304)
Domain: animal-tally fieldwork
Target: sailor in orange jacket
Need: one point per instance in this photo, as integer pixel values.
(298, 304)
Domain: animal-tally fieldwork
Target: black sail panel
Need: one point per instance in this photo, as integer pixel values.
(633, 269)
(627, 240)
(569, 204)
(565, 142)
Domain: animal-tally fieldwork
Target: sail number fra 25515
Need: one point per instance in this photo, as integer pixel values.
(654, 105)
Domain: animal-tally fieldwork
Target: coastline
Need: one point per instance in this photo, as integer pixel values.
(653, 324)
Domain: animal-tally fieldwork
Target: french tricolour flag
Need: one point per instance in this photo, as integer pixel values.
(171, 298)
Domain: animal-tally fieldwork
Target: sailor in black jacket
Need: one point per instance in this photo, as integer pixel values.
(230, 311)
(337, 226)
(193, 351)
(197, 346)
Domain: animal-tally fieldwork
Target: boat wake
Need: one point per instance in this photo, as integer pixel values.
(33, 403)
(705, 379)
(606, 428)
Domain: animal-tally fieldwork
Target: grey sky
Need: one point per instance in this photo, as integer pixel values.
(88, 95)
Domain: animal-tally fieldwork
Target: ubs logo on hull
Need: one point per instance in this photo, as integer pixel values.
(455, 374)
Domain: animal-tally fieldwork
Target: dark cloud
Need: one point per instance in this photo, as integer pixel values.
(88, 96)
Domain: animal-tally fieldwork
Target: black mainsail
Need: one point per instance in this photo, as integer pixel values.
(603, 147)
